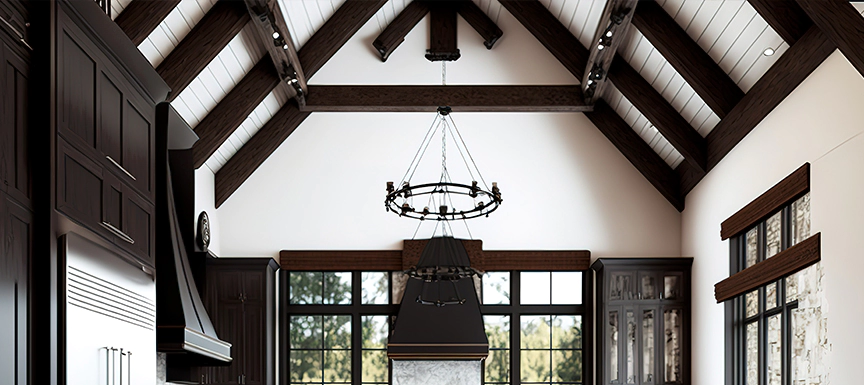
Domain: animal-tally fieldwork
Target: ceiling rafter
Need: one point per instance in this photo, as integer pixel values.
(442, 32)
(460, 98)
(273, 31)
(639, 153)
(141, 17)
(610, 33)
(233, 109)
(202, 44)
(335, 32)
(712, 84)
(395, 32)
(785, 17)
(796, 64)
(842, 24)
(481, 22)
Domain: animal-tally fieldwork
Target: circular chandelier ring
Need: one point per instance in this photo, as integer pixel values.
(489, 201)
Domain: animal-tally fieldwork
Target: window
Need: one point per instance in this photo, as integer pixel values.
(338, 324)
(763, 320)
(534, 326)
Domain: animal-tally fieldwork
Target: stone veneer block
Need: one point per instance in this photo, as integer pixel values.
(436, 372)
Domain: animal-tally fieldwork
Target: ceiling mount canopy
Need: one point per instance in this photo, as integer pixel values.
(443, 200)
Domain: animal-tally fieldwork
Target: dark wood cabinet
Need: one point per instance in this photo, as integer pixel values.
(16, 231)
(14, 154)
(240, 296)
(643, 318)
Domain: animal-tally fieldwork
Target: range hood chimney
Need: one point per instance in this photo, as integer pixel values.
(184, 330)
(426, 331)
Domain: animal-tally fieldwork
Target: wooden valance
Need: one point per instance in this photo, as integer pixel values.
(787, 262)
(787, 190)
(396, 260)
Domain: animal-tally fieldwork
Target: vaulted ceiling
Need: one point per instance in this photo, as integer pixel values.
(689, 80)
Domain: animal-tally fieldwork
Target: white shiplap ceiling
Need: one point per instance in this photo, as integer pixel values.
(730, 31)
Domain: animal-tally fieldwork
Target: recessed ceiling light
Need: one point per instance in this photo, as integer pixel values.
(768, 51)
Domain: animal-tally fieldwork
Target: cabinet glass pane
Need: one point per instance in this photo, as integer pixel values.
(496, 288)
(648, 286)
(671, 287)
(337, 288)
(752, 249)
(648, 345)
(613, 346)
(305, 287)
(620, 287)
(752, 341)
(631, 348)
(752, 299)
(306, 365)
(375, 288)
(566, 287)
(773, 235)
(771, 296)
(774, 352)
(672, 320)
(567, 366)
(535, 288)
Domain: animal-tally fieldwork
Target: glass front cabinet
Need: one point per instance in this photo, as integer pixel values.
(643, 320)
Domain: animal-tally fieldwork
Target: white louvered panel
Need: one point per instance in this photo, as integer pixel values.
(732, 33)
(173, 29)
(643, 127)
(304, 17)
(118, 6)
(579, 16)
(654, 68)
(220, 76)
(248, 128)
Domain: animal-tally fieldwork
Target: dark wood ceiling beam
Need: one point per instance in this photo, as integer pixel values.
(785, 17)
(335, 32)
(442, 33)
(233, 109)
(344, 23)
(614, 20)
(709, 81)
(551, 33)
(267, 16)
(460, 98)
(253, 154)
(842, 24)
(796, 64)
(634, 148)
(202, 44)
(659, 112)
(141, 17)
(396, 31)
(481, 22)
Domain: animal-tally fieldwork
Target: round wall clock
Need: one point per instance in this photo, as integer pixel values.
(203, 236)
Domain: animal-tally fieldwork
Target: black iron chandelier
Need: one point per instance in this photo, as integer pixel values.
(445, 200)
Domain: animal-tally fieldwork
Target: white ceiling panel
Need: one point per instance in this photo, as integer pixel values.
(304, 17)
(579, 16)
(859, 5)
(643, 127)
(118, 6)
(174, 28)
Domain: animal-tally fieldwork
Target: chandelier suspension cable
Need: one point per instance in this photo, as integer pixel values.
(430, 133)
(469, 153)
(443, 73)
(462, 154)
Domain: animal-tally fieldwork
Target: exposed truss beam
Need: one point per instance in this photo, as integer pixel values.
(785, 17)
(695, 66)
(335, 32)
(637, 152)
(233, 109)
(551, 33)
(396, 31)
(313, 55)
(461, 98)
(659, 112)
(481, 23)
(202, 44)
(442, 32)
(141, 17)
(267, 16)
(257, 150)
(842, 24)
(611, 32)
(796, 64)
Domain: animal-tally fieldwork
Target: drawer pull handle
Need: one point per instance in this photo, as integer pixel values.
(118, 233)
(120, 167)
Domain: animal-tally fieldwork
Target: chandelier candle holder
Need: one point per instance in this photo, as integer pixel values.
(445, 200)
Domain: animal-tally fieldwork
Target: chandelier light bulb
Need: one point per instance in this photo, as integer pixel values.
(608, 33)
(285, 47)
(275, 34)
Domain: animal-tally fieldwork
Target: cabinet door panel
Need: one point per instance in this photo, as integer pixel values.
(112, 204)
(621, 286)
(137, 145)
(19, 235)
(138, 224)
(110, 117)
(15, 168)
(648, 284)
(673, 348)
(229, 327)
(253, 350)
(79, 188)
(77, 105)
(614, 341)
(253, 286)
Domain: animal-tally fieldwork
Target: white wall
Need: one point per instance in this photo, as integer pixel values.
(564, 185)
(814, 124)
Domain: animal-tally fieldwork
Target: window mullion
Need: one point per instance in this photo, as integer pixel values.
(515, 330)
(356, 328)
